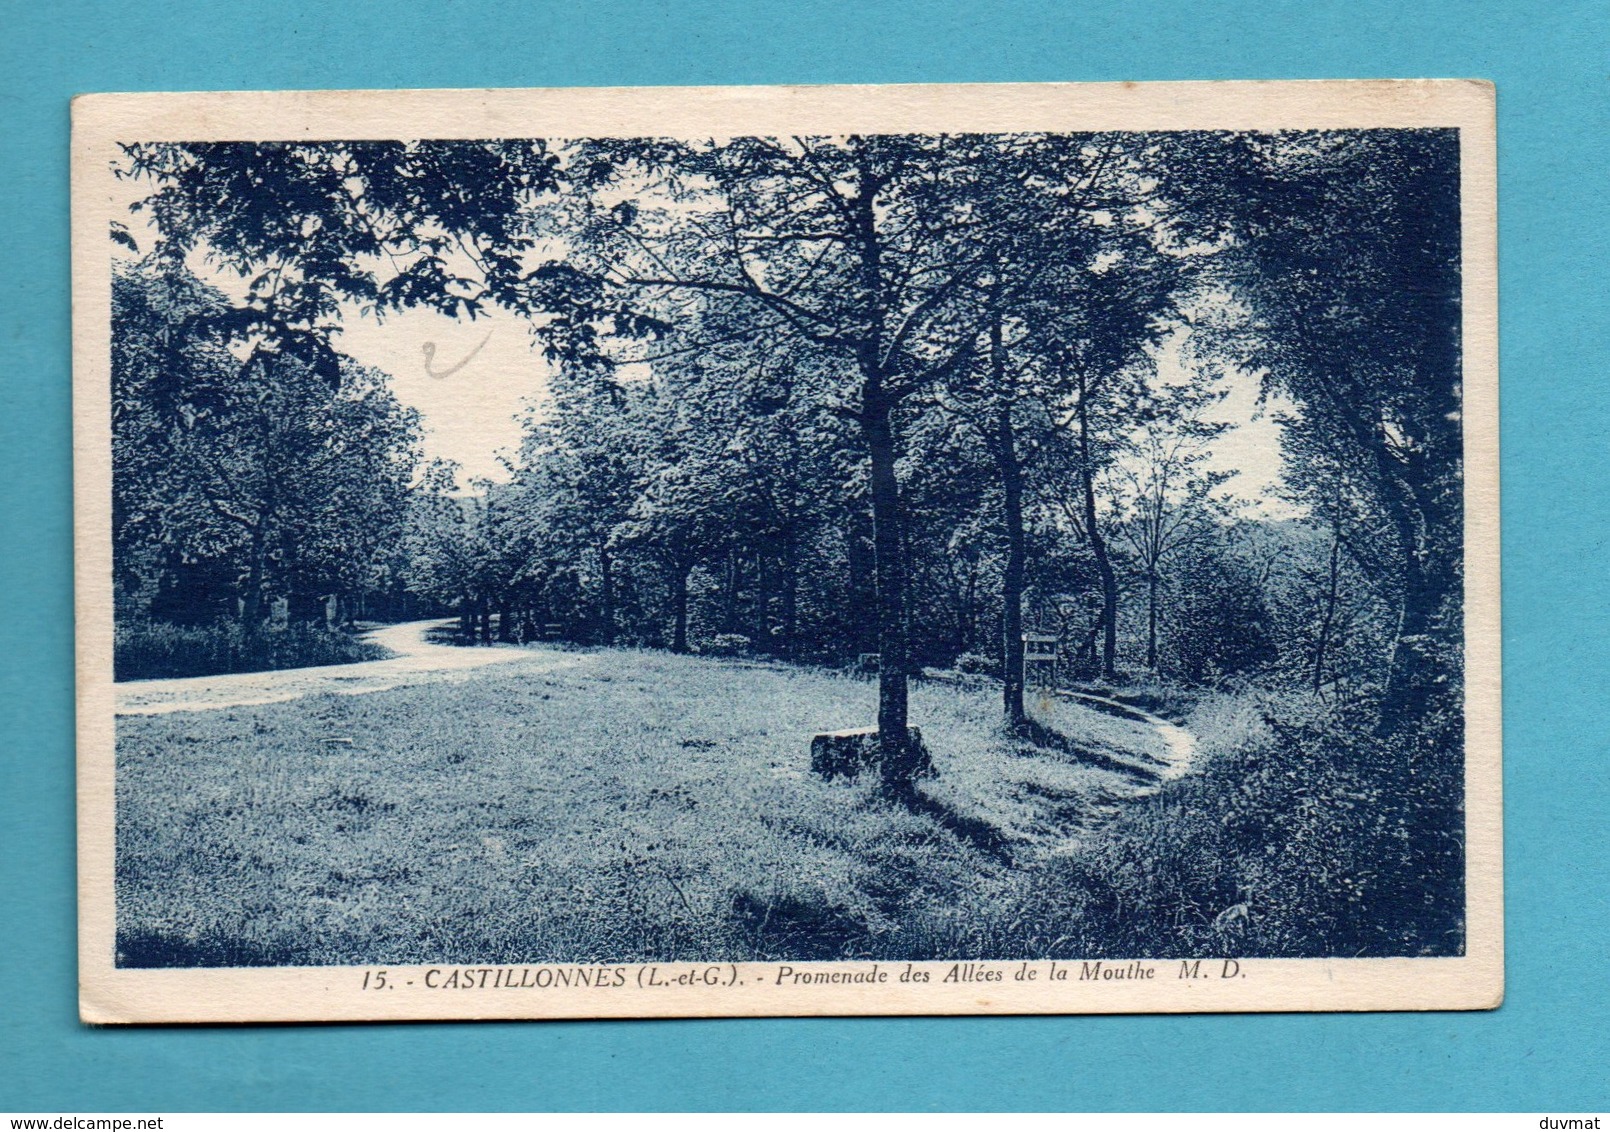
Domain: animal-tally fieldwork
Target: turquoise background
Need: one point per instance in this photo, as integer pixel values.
(1546, 1049)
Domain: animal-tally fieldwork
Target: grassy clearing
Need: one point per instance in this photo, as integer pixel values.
(644, 806)
(635, 806)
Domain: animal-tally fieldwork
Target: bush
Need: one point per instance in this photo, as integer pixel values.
(728, 644)
(1221, 628)
(975, 664)
(149, 649)
(1301, 835)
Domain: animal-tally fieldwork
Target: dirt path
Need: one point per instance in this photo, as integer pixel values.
(417, 661)
(1135, 750)
(1179, 744)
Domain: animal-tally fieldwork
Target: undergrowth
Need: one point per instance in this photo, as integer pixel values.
(1302, 833)
(151, 649)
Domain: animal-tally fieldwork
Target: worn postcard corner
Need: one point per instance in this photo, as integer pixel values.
(784, 551)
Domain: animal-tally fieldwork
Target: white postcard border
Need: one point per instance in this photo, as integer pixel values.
(1218, 983)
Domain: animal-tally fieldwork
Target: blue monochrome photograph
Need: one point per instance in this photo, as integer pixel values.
(837, 551)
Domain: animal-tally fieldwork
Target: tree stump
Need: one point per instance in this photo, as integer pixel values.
(844, 753)
(848, 752)
(919, 762)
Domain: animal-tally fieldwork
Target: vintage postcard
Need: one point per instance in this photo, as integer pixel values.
(772, 551)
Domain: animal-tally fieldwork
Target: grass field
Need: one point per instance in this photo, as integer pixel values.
(632, 806)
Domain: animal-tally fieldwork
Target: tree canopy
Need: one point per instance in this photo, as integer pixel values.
(819, 397)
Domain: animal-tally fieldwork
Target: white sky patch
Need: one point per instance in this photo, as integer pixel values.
(1250, 446)
(473, 414)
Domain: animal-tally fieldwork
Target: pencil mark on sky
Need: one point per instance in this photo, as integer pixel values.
(429, 350)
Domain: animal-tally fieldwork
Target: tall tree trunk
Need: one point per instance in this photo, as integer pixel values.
(1098, 546)
(1004, 449)
(1419, 670)
(729, 613)
(894, 742)
(970, 608)
(251, 606)
(790, 595)
(900, 758)
(1426, 668)
(679, 606)
(1322, 643)
(762, 604)
(1151, 619)
(606, 566)
(959, 610)
(862, 633)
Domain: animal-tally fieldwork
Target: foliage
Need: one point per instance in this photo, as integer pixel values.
(1219, 623)
(144, 650)
(764, 345)
(1265, 851)
(728, 644)
(974, 663)
(239, 481)
(1350, 259)
(311, 226)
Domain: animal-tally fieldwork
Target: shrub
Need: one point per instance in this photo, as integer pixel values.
(728, 644)
(1301, 835)
(975, 664)
(1220, 629)
(150, 649)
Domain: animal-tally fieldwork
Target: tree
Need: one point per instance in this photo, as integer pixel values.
(387, 225)
(678, 513)
(311, 227)
(1165, 507)
(1350, 257)
(163, 377)
(444, 563)
(1221, 624)
(863, 247)
(292, 487)
(581, 465)
(1093, 353)
(1017, 279)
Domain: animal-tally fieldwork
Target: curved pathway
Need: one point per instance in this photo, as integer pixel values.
(1179, 743)
(416, 661)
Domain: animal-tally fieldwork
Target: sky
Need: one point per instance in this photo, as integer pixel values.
(1251, 449)
(481, 377)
